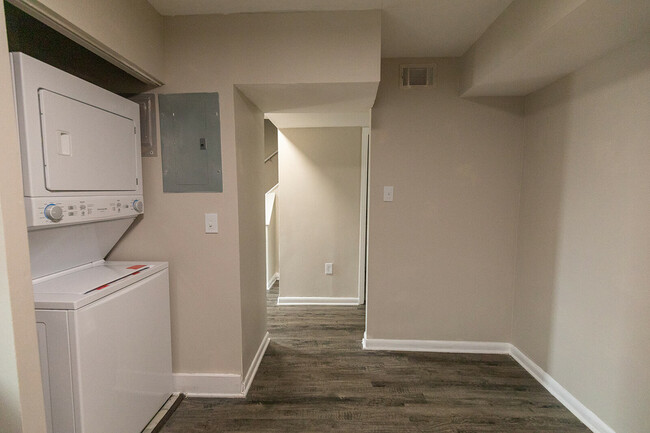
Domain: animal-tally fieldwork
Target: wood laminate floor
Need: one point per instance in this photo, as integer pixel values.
(315, 377)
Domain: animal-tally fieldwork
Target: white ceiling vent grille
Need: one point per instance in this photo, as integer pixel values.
(417, 76)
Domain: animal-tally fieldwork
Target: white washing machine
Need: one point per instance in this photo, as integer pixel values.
(104, 331)
(103, 327)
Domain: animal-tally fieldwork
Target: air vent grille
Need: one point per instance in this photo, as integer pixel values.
(417, 76)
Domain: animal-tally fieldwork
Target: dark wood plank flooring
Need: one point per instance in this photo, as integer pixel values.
(316, 378)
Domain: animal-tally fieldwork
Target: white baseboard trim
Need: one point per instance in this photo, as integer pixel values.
(436, 346)
(274, 279)
(588, 418)
(220, 385)
(252, 370)
(309, 300)
(209, 385)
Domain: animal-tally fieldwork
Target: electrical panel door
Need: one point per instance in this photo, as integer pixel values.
(191, 142)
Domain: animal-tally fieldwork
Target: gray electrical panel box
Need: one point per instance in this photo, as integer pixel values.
(190, 133)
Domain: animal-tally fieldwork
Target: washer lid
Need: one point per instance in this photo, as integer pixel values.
(73, 290)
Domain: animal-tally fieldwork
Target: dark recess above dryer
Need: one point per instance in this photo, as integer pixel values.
(36, 39)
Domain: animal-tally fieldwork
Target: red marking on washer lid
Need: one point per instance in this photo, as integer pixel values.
(136, 267)
(101, 287)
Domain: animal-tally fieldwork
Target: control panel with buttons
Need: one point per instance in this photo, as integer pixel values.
(68, 210)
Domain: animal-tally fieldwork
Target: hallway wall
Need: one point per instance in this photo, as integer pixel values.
(582, 300)
(270, 146)
(249, 135)
(320, 176)
(273, 243)
(442, 253)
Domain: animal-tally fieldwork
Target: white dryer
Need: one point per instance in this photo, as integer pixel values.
(103, 327)
(82, 170)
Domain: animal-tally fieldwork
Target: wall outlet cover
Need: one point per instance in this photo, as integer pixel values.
(329, 269)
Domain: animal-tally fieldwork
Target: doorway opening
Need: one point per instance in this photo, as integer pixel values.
(317, 217)
(316, 212)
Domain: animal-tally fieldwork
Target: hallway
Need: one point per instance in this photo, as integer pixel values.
(316, 378)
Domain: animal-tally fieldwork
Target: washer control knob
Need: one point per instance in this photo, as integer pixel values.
(53, 212)
(138, 206)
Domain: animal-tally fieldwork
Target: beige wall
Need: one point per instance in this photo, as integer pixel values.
(271, 180)
(442, 254)
(320, 175)
(582, 300)
(520, 26)
(273, 242)
(212, 54)
(249, 136)
(282, 48)
(21, 393)
(534, 43)
(131, 28)
(270, 146)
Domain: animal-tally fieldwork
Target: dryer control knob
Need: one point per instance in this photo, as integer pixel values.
(53, 212)
(138, 206)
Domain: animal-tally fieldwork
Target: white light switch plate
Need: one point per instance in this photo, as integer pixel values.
(329, 269)
(388, 193)
(211, 223)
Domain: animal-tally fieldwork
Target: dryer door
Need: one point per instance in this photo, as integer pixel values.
(86, 148)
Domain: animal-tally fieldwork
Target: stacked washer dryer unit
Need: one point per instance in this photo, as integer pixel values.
(103, 327)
